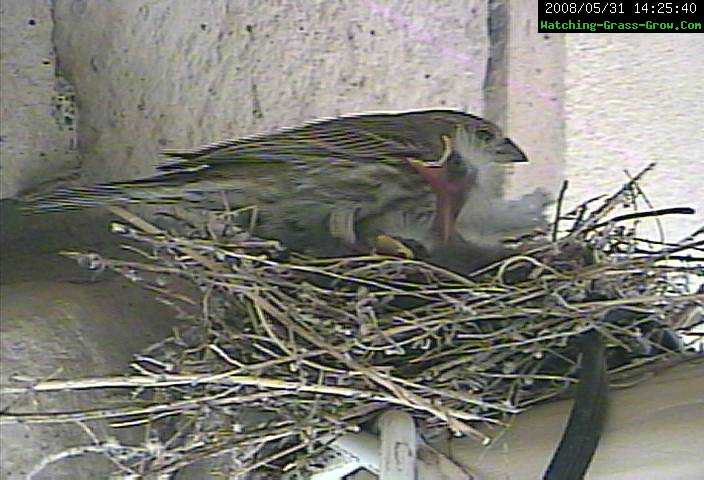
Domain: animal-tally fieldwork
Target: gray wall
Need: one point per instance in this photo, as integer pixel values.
(37, 131)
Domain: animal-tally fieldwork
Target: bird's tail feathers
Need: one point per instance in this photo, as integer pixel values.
(116, 193)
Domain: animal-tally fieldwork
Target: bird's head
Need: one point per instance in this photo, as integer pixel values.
(479, 143)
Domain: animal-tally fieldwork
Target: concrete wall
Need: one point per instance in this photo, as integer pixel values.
(37, 125)
(634, 99)
(150, 75)
(535, 96)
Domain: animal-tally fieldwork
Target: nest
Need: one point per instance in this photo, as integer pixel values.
(286, 352)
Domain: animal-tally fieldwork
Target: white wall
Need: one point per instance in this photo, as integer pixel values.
(632, 99)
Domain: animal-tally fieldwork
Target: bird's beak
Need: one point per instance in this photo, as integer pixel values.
(508, 152)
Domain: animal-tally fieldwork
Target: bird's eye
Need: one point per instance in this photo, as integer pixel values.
(484, 135)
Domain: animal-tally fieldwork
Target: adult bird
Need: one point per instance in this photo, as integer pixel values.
(334, 180)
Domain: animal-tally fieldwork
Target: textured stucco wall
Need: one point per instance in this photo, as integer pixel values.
(150, 75)
(632, 99)
(36, 125)
(535, 116)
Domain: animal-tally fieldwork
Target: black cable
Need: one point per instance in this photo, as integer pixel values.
(586, 421)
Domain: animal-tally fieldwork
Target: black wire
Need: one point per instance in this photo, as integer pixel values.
(586, 422)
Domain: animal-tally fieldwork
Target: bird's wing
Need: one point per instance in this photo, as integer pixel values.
(359, 138)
